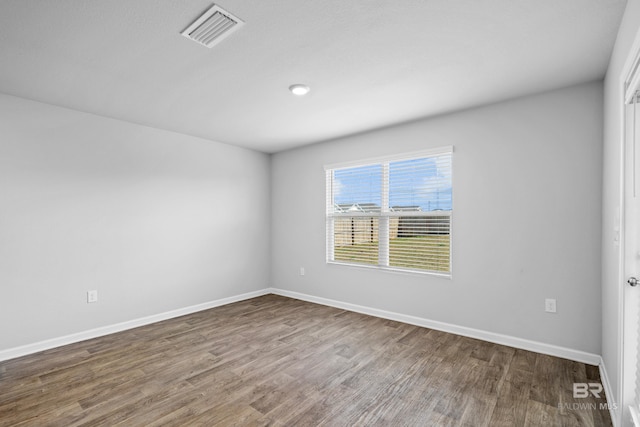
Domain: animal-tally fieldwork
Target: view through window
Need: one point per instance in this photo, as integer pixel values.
(392, 213)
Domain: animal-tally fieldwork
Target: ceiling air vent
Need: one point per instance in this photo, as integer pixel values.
(212, 27)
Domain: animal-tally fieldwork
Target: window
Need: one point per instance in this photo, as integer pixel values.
(392, 213)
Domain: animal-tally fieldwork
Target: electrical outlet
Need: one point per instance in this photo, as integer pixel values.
(550, 305)
(302, 271)
(92, 296)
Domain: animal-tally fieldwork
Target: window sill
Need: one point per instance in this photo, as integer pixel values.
(392, 270)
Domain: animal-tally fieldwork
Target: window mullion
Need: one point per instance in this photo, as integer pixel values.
(383, 223)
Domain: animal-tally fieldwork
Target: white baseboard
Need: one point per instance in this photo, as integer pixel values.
(538, 347)
(608, 391)
(118, 327)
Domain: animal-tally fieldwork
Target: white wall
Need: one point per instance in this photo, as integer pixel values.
(153, 220)
(526, 224)
(612, 203)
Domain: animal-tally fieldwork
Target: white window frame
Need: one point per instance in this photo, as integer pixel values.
(385, 212)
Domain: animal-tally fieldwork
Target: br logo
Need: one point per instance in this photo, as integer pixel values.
(582, 390)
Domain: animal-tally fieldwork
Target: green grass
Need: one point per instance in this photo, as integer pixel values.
(421, 252)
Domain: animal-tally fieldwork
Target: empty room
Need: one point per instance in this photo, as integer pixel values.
(303, 213)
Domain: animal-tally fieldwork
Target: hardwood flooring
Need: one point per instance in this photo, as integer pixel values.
(278, 361)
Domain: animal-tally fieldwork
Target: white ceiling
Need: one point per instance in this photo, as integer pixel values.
(369, 63)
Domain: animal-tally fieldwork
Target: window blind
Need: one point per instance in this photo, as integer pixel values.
(392, 213)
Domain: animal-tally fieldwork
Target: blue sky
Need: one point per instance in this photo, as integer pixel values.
(420, 182)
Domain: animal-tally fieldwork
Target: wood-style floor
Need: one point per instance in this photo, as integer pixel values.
(279, 361)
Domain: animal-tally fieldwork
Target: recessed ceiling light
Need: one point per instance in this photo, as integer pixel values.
(299, 89)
